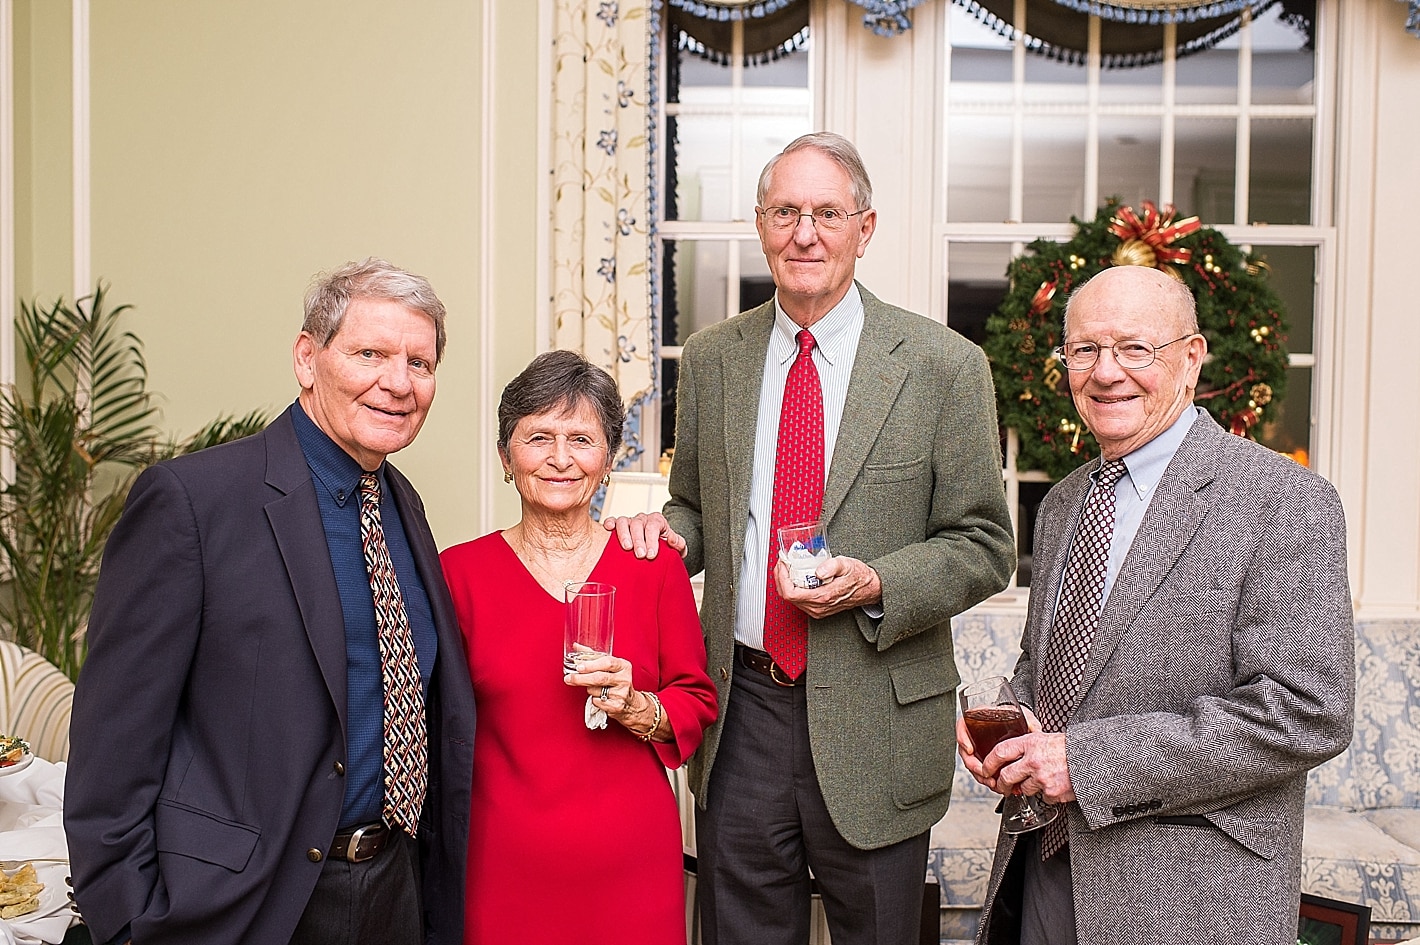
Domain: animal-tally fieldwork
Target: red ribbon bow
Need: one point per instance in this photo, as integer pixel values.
(1157, 230)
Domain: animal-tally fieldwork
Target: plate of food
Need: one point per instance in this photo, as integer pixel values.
(15, 754)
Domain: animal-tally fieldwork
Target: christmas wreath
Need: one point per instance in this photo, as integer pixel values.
(1238, 312)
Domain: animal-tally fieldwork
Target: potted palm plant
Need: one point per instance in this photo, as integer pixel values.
(78, 426)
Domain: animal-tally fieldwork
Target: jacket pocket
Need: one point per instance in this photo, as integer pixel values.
(893, 472)
(194, 833)
(922, 718)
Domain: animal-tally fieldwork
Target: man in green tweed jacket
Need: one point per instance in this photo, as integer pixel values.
(843, 768)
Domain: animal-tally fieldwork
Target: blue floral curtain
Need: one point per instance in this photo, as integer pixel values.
(601, 165)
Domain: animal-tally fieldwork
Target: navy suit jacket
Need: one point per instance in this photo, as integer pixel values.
(208, 739)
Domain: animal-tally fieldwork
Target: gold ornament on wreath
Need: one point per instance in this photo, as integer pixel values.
(1242, 382)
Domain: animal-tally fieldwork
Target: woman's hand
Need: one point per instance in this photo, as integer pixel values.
(608, 680)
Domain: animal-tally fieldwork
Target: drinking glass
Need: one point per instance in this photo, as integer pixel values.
(993, 714)
(803, 548)
(588, 628)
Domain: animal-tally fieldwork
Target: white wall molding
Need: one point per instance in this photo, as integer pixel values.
(484, 409)
(83, 236)
(8, 288)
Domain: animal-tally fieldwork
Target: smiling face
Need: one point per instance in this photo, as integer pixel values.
(812, 269)
(1126, 409)
(370, 389)
(558, 458)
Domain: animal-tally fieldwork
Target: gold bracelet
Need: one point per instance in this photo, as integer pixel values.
(651, 732)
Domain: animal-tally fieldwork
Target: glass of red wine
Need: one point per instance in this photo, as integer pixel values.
(992, 714)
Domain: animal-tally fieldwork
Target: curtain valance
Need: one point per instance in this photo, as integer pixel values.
(1054, 29)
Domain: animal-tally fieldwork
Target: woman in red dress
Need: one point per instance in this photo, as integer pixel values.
(574, 834)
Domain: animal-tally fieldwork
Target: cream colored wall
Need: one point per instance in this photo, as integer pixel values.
(1376, 437)
(239, 148)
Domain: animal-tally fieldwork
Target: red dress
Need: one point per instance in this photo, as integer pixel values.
(574, 835)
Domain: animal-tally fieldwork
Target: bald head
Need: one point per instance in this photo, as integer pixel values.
(1146, 289)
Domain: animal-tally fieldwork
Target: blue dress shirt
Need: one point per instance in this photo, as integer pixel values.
(336, 476)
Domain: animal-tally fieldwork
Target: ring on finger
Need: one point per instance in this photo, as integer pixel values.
(604, 693)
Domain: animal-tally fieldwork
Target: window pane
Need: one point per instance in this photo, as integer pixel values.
(976, 284)
(1283, 68)
(1051, 81)
(1205, 168)
(694, 276)
(1291, 271)
(1138, 85)
(980, 60)
(1279, 183)
(978, 168)
(1208, 78)
(1129, 159)
(1287, 428)
(1054, 169)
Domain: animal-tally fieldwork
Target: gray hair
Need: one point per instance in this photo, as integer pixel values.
(561, 379)
(372, 278)
(838, 149)
(1177, 297)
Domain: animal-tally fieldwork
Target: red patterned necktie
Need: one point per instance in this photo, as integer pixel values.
(798, 497)
(1076, 617)
(406, 749)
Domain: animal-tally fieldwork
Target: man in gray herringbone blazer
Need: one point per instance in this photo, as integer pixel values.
(845, 768)
(1220, 670)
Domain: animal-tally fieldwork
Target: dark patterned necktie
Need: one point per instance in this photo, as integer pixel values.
(798, 497)
(406, 749)
(1076, 617)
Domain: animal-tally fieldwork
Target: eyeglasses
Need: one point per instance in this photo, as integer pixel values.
(828, 219)
(1130, 355)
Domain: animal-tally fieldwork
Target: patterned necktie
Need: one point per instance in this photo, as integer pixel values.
(798, 497)
(406, 749)
(1076, 617)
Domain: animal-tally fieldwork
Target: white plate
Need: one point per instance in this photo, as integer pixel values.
(20, 765)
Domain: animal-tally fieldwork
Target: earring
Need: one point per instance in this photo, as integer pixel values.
(606, 480)
(507, 475)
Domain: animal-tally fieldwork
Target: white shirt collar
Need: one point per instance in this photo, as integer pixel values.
(832, 334)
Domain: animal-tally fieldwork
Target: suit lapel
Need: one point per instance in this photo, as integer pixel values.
(300, 536)
(742, 374)
(1177, 509)
(877, 379)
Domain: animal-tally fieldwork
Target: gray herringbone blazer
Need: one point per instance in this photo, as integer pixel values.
(914, 489)
(1222, 670)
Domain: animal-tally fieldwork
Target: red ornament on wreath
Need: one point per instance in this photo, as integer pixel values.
(1241, 383)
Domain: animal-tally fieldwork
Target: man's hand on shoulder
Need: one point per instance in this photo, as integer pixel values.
(847, 583)
(643, 533)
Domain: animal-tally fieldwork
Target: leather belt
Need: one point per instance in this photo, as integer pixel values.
(762, 663)
(361, 843)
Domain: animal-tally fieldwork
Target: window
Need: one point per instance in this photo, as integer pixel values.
(734, 94)
(1229, 133)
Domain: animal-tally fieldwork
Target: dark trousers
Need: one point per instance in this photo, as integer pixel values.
(765, 827)
(364, 903)
(1048, 898)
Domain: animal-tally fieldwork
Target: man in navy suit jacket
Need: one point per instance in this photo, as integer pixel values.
(225, 781)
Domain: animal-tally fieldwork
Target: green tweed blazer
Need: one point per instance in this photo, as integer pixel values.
(914, 489)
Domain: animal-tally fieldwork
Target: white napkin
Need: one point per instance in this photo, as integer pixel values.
(33, 804)
(595, 718)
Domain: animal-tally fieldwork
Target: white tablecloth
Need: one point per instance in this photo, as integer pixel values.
(31, 827)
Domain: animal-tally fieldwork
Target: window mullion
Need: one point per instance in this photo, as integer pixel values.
(1092, 124)
(1166, 121)
(1243, 165)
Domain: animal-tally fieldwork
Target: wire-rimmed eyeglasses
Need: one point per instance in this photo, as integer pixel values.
(831, 219)
(1133, 355)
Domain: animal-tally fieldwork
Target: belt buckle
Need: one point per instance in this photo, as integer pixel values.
(352, 849)
(777, 674)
